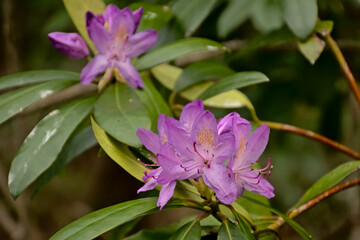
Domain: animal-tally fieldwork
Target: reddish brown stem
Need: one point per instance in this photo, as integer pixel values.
(312, 135)
(306, 206)
(344, 66)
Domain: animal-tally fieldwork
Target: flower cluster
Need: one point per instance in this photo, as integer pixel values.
(114, 35)
(196, 146)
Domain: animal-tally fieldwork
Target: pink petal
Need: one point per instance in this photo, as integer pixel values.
(122, 24)
(151, 184)
(204, 130)
(150, 140)
(224, 149)
(110, 13)
(255, 146)
(190, 112)
(98, 34)
(137, 17)
(141, 42)
(256, 184)
(130, 74)
(217, 178)
(179, 137)
(70, 44)
(166, 192)
(162, 129)
(96, 66)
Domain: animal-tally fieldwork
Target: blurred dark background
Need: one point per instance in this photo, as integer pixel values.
(314, 97)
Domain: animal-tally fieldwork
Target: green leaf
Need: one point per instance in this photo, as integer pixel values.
(312, 48)
(328, 181)
(155, 16)
(300, 16)
(75, 146)
(121, 113)
(199, 72)
(153, 100)
(44, 143)
(103, 220)
(299, 229)
(176, 49)
(168, 75)
(192, 13)
(121, 231)
(244, 227)
(237, 80)
(235, 13)
(30, 77)
(14, 102)
(229, 231)
(77, 10)
(118, 152)
(267, 15)
(189, 231)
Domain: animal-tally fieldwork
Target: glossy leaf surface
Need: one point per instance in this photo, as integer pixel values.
(103, 220)
(74, 147)
(237, 80)
(190, 231)
(229, 231)
(121, 113)
(44, 143)
(155, 16)
(30, 77)
(16, 101)
(199, 72)
(312, 48)
(176, 49)
(329, 180)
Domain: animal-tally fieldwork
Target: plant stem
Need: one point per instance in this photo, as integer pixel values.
(344, 66)
(306, 206)
(312, 135)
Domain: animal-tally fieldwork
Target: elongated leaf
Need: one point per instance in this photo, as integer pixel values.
(238, 80)
(153, 100)
(78, 144)
(77, 10)
(329, 180)
(121, 113)
(229, 231)
(193, 13)
(176, 49)
(118, 152)
(101, 221)
(189, 231)
(16, 101)
(236, 12)
(199, 72)
(44, 143)
(30, 77)
(300, 16)
(299, 229)
(155, 16)
(168, 75)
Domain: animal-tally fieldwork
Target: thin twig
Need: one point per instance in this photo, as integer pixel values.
(306, 206)
(344, 66)
(312, 135)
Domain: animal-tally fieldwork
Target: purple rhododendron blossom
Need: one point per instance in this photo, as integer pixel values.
(70, 44)
(197, 146)
(114, 35)
(247, 152)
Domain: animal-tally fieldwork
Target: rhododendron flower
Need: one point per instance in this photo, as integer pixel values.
(196, 146)
(247, 152)
(153, 142)
(114, 35)
(70, 44)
